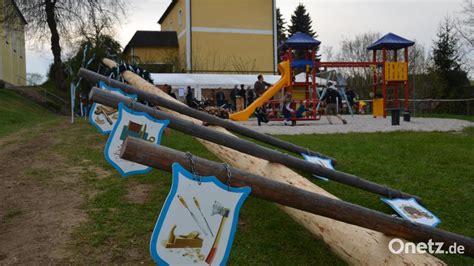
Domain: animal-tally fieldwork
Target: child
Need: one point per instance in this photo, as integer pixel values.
(332, 99)
(287, 111)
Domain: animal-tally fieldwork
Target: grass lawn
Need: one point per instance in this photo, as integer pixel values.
(435, 166)
(16, 113)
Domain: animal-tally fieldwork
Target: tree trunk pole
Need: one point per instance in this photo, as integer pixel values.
(160, 157)
(355, 245)
(245, 146)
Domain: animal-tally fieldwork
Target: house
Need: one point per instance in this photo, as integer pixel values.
(12, 44)
(224, 36)
(156, 51)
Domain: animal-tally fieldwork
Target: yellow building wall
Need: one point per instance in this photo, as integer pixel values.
(12, 49)
(232, 52)
(212, 51)
(171, 22)
(153, 55)
(182, 53)
(242, 14)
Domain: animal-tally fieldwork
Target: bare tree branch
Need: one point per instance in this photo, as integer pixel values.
(63, 22)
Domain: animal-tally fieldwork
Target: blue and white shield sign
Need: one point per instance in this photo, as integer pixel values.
(134, 124)
(197, 223)
(327, 163)
(104, 117)
(412, 211)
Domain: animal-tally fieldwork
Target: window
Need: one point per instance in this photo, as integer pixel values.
(7, 33)
(170, 26)
(12, 39)
(180, 17)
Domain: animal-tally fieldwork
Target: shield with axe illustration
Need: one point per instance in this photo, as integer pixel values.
(104, 117)
(132, 124)
(197, 223)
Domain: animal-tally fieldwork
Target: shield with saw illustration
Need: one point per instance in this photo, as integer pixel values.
(104, 117)
(197, 223)
(132, 124)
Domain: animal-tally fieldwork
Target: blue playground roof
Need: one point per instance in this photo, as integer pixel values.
(301, 64)
(300, 40)
(390, 41)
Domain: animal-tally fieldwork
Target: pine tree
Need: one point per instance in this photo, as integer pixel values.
(301, 21)
(447, 63)
(281, 27)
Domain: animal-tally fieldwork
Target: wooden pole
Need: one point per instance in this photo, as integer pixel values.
(110, 99)
(355, 245)
(210, 119)
(384, 82)
(144, 152)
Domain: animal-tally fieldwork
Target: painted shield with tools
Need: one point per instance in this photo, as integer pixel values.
(412, 211)
(104, 117)
(319, 161)
(132, 124)
(197, 223)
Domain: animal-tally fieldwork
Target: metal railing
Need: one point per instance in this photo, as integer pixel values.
(48, 96)
(430, 105)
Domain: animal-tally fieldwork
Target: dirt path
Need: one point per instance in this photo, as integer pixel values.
(40, 202)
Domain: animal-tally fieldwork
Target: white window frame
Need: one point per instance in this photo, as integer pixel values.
(180, 17)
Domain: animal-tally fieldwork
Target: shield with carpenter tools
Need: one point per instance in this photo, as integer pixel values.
(197, 223)
(104, 117)
(132, 124)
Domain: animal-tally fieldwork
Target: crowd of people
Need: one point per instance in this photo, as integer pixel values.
(241, 96)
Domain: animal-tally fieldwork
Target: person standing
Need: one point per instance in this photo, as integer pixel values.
(84, 106)
(351, 96)
(169, 90)
(241, 100)
(233, 97)
(250, 95)
(220, 98)
(332, 99)
(260, 85)
(190, 98)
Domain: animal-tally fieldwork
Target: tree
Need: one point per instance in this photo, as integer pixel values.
(465, 28)
(328, 53)
(301, 22)
(466, 23)
(34, 79)
(418, 61)
(281, 28)
(447, 62)
(355, 50)
(58, 21)
(94, 49)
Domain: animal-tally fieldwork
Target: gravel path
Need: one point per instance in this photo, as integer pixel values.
(359, 123)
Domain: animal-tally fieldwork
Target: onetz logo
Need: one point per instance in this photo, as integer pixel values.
(398, 246)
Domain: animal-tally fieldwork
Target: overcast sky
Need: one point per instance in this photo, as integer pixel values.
(333, 20)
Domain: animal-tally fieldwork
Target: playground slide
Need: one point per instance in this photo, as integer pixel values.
(284, 81)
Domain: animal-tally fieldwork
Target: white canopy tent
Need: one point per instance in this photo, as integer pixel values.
(215, 81)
